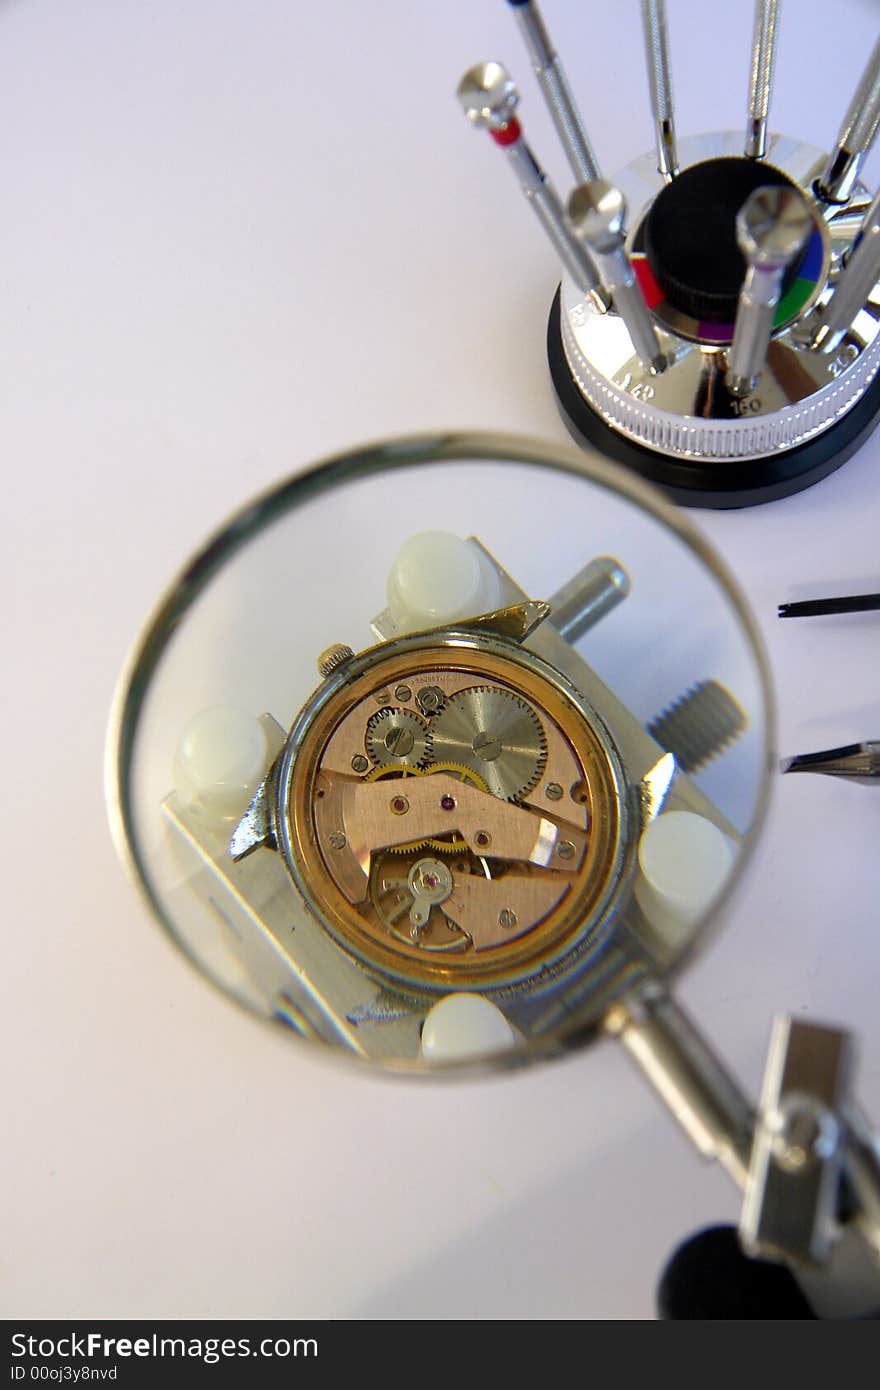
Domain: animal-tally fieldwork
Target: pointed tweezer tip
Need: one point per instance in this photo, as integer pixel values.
(806, 762)
(854, 760)
(829, 607)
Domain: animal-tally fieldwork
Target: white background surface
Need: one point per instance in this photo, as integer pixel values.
(237, 237)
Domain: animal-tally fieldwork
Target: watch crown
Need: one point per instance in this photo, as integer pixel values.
(334, 657)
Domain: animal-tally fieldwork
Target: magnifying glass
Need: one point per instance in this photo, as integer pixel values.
(442, 755)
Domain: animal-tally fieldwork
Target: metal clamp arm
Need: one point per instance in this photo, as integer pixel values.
(690, 1078)
(807, 1161)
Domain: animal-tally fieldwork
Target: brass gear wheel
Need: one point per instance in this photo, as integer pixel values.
(379, 774)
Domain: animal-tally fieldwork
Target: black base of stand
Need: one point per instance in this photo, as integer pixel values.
(710, 1277)
(712, 484)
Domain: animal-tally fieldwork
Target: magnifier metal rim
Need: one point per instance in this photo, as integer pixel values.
(297, 488)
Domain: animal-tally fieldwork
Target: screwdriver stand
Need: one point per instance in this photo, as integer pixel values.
(717, 328)
(685, 428)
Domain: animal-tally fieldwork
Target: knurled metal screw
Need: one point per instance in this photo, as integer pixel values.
(565, 849)
(359, 763)
(507, 917)
(337, 839)
(553, 791)
(334, 657)
(699, 725)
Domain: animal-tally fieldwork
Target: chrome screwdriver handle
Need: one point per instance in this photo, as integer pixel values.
(489, 98)
(556, 91)
(689, 419)
(761, 76)
(857, 279)
(660, 83)
(856, 135)
(597, 213)
(772, 227)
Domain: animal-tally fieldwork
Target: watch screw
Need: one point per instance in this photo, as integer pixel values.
(430, 699)
(337, 839)
(333, 657)
(803, 1133)
(565, 849)
(506, 917)
(359, 763)
(553, 791)
(403, 693)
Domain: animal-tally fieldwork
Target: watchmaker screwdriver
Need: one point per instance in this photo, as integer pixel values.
(597, 212)
(769, 378)
(660, 82)
(856, 136)
(772, 228)
(854, 285)
(857, 762)
(489, 98)
(556, 91)
(761, 76)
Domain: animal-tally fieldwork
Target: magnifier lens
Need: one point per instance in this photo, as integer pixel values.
(436, 750)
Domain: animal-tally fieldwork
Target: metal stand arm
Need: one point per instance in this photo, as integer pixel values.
(806, 1161)
(689, 1077)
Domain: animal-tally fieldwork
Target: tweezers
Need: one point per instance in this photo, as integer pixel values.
(817, 607)
(858, 762)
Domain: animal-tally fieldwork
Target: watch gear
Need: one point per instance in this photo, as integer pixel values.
(495, 733)
(397, 736)
(459, 905)
(385, 771)
(407, 895)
